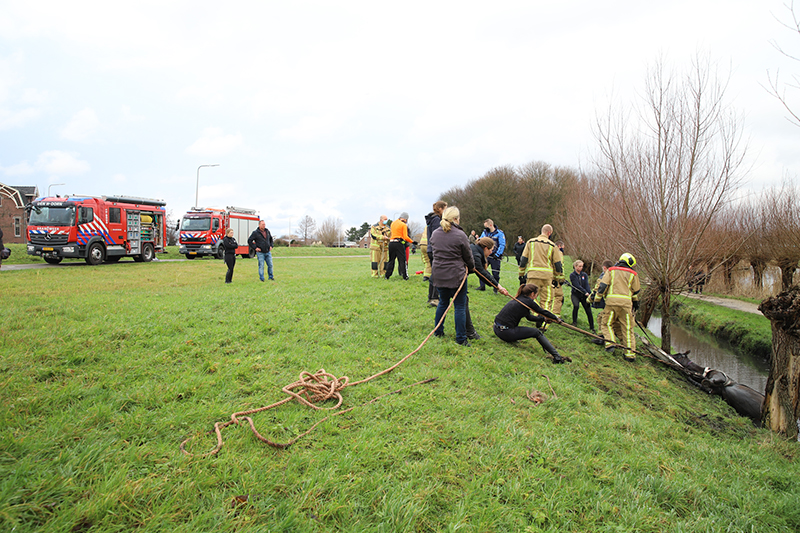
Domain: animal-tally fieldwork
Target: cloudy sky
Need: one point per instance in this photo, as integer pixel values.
(352, 109)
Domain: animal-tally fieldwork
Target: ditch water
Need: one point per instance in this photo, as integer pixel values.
(707, 351)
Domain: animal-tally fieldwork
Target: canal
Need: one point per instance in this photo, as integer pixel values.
(707, 351)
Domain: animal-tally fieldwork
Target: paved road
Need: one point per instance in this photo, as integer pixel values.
(730, 303)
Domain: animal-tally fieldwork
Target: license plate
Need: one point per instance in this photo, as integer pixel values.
(192, 253)
(48, 248)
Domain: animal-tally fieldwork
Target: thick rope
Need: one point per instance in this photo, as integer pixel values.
(310, 389)
(562, 323)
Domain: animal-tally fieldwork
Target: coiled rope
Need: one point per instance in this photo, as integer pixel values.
(311, 389)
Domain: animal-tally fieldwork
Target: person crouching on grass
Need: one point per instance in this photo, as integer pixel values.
(506, 323)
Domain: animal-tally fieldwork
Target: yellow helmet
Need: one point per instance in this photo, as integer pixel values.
(628, 259)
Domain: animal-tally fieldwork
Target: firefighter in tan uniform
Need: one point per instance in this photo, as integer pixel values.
(619, 287)
(599, 303)
(423, 246)
(379, 246)
(558, 291)
(542, 265)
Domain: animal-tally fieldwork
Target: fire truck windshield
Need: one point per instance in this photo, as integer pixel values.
(46, 215)
(196, 224)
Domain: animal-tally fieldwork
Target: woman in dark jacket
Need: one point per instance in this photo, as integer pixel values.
(580, 293)
(452, 259)
(432, 222)
(229, 243)
(506, 323)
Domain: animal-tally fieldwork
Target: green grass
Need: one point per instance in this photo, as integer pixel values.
(747, 332)
(105, 370)
(19, 255)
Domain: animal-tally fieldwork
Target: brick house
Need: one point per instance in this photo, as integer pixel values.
(13, 217)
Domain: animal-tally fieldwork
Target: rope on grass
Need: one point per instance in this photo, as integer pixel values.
(311, 389)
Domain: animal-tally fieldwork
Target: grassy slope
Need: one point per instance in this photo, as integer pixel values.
(105, 370)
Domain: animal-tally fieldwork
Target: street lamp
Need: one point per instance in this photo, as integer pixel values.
(52, 185)
(197, 188)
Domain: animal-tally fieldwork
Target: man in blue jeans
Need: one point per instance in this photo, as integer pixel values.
(261, 240)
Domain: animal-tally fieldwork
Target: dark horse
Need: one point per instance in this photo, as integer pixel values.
(746, 401)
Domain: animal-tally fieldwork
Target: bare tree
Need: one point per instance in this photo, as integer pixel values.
(330, 231)
(670, 168)
(783, 238)
(415, 228)
(777, 87)
(306, 228)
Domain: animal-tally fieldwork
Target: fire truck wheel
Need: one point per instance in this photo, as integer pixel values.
(52, 260)
(96, 254)
(147, 253)
(220, 252)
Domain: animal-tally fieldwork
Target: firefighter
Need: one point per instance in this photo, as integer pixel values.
(599, 303)
(619, 287)
(423, 246)
(541, 265)
(558, 291)
(379, 246)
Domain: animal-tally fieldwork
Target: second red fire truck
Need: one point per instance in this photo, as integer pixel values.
(202, 230)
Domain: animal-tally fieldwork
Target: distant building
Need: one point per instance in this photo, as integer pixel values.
(13, 216)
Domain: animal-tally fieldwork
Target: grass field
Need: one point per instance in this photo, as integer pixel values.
(106, 370)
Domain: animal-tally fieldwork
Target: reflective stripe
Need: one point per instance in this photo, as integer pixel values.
(532, 257)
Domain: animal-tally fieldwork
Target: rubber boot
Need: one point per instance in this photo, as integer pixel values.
(549, 348)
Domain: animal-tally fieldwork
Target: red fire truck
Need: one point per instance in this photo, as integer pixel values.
(96, 229)
(202, 230)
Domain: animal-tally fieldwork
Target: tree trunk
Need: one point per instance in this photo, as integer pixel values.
(759, 266)
(666, 322)
(648, 300)
(787, 265)
(781, 410)
(727, 272)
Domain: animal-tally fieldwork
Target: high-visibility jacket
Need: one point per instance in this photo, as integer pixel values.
(620, 286)
(542, 259)
(380, 236)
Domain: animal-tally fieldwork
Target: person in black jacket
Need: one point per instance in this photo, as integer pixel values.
(506, 323)
(230, 245)
(432, 221)
(581, 290)
(481, 251)
(519, 247)
(261, 240)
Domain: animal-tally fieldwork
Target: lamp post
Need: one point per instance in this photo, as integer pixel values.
(52, 185)
(197, 187)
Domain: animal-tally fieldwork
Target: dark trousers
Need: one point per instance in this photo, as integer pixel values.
(230, 260)
(578, 301)
(494, 264)
(397, 250)
(460, 306)
(517, 334)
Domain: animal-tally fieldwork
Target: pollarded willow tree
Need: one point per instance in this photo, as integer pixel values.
(670, 166)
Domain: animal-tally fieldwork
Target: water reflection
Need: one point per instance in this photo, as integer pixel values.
(707, 351)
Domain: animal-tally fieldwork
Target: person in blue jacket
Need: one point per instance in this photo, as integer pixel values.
(499, 238)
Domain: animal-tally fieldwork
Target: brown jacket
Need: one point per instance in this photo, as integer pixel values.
(451, 257)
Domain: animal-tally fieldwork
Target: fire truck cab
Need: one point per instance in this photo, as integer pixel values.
(202, 230)
(96, 229)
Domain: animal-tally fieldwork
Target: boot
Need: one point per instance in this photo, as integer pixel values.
(549, 348)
